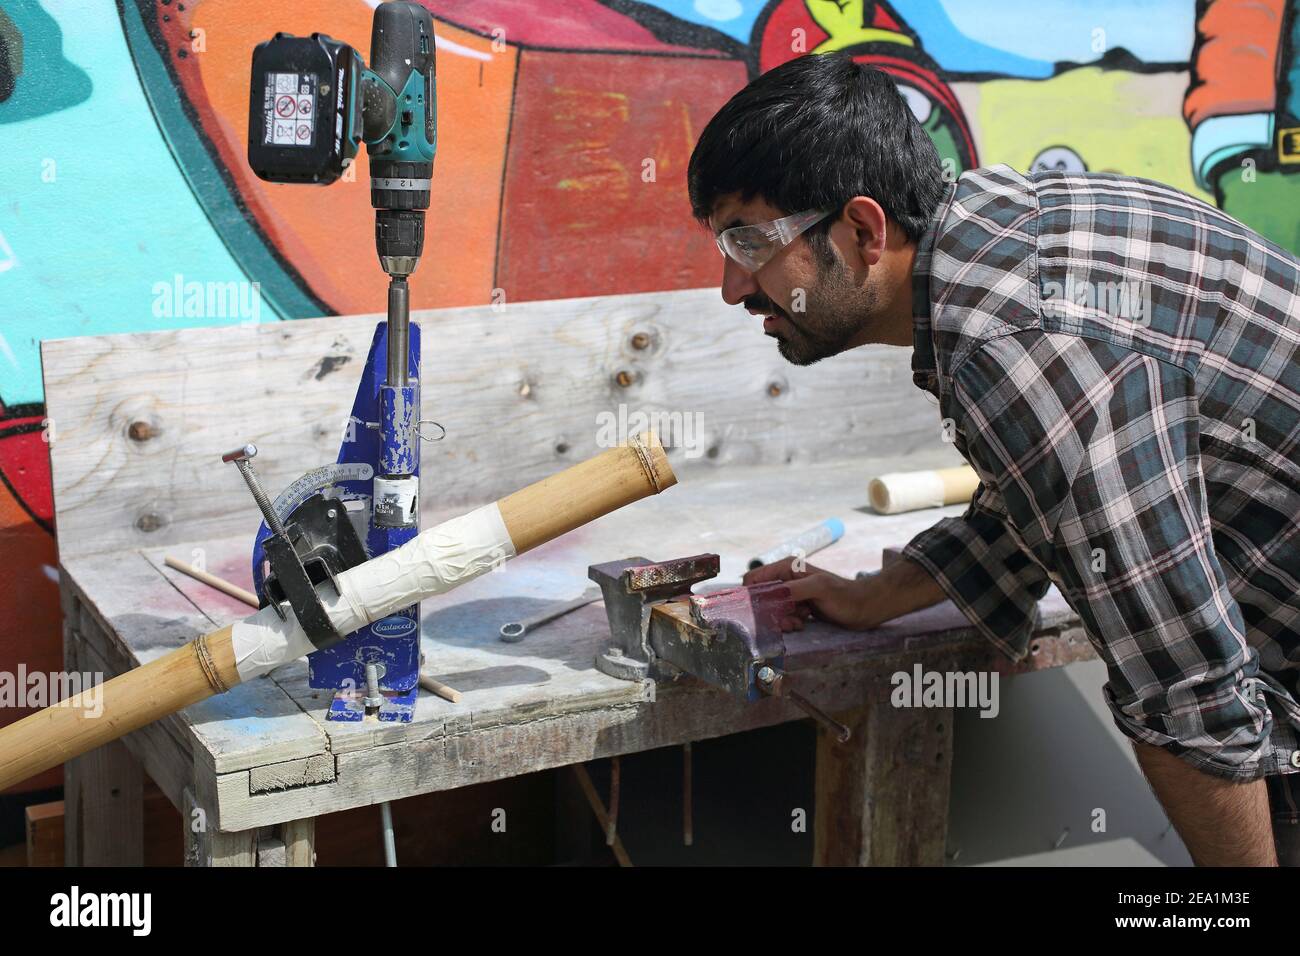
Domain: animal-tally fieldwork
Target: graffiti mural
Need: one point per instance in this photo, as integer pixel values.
(564, 131)
(1244, 111)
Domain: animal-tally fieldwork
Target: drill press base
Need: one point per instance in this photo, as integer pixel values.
(398, 705)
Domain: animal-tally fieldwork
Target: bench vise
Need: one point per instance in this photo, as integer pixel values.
(730, 639)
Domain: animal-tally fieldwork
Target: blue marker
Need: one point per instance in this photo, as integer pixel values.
(814, 539)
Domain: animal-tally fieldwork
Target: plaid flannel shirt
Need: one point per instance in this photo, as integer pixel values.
(1120, 364)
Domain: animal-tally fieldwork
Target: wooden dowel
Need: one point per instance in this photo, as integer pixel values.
(688, 826)
(598, 808)
(902, 491)
(958, 483)
(212, 581)
(439, 688)
(611, 823)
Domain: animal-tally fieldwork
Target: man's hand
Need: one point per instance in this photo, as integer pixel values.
(841, 601)
(858, 605)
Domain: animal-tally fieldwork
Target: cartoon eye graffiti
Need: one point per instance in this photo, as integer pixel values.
(917, 102)
(1059, 159)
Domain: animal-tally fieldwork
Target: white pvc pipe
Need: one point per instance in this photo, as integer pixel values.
(901, 491)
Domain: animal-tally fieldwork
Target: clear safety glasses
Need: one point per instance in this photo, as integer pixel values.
(752, 247)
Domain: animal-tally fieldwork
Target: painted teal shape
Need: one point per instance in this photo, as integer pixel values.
(281, 287)
(955, 50)
(47, 81)
(95, 216)
(1219, 138)
(1007, 37)
(997, 37)
(735, 18)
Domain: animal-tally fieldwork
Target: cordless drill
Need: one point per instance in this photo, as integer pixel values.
(312, 103)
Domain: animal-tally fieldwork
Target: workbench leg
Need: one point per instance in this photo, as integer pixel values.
(299, 842)
(205, 846)
(882, 798)
(104, 806)
(287, 844)
(103, 790)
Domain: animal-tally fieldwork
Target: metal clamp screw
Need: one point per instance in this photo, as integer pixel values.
(243, 459)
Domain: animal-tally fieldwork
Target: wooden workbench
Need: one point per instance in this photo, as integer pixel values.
(252, 768)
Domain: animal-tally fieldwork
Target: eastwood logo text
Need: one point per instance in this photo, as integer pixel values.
(393, 627)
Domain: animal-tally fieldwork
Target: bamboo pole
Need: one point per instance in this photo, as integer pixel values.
(207, 665)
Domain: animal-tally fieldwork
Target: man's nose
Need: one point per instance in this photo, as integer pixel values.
(736, 283)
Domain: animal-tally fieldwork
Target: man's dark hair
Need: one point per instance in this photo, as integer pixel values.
(812, 134)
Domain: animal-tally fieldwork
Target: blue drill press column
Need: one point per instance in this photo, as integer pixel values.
(382, 433)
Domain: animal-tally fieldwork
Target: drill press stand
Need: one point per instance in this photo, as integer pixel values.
(375, 480)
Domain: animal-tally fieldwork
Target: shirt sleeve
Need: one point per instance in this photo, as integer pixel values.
(985, 573)
(1096, 452)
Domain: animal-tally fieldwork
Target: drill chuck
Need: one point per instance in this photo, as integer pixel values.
(399, 237)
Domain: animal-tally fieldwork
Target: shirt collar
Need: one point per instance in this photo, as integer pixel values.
(925, 373)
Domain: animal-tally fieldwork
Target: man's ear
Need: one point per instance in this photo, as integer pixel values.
(869, 225)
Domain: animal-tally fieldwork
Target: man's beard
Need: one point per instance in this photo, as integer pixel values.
(834, 314)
